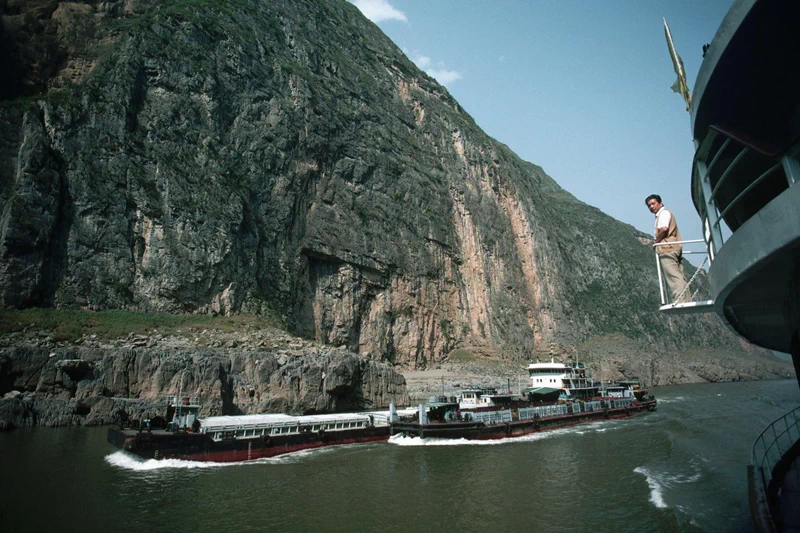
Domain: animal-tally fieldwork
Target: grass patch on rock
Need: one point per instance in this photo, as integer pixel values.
(67, 325)
(461, 356)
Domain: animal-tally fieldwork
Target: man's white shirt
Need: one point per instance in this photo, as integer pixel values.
(662, 218)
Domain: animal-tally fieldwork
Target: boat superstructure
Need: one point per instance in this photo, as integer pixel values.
(745, 114)
(571, 380)
(476, 398)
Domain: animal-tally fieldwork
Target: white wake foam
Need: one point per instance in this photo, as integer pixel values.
(676, 399)
(405, 440)
(661, 481)
(127, 461)
(656, 484)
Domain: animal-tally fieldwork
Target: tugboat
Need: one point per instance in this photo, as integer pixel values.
(476, 415)
(745, 114)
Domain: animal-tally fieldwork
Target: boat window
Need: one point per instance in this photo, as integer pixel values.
(249, 433)
(314, 428)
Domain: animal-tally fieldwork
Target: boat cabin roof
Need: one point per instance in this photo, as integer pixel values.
(272, 420)
(556, 367)
(436, 405)
(559, 366)
(540, 390)
(485, 392)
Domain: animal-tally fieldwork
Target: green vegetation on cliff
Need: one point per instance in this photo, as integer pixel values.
(68, 325)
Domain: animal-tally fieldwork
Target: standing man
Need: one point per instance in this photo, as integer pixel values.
(670, 256)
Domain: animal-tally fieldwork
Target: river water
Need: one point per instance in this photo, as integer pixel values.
(682, 468)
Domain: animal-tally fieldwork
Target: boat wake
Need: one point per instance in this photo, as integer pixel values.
(127, 461)
(656, 484)
(659, 482)
(676, 399)
(404, 440)
(599, 427)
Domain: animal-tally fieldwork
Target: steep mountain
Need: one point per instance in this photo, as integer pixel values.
(247, 156)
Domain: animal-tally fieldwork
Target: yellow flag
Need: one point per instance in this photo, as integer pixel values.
(680, 86)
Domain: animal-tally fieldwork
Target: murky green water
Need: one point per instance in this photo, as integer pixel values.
(682, 468)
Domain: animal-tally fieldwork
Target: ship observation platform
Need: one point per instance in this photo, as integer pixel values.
(746, 125)
(687, 301)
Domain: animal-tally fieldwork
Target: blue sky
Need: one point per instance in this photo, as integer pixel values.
(579, 87)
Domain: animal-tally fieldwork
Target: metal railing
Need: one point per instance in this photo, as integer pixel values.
(727, 172)
(696, 305)
(773, 443)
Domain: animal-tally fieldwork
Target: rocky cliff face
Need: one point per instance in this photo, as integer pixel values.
(240, 156)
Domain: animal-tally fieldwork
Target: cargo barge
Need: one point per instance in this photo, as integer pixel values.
(572, 398)
(246, 437)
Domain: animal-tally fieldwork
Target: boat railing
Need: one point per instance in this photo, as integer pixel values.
(542, 411)
(733, 178)
(689, 305)
(620, 403)
(491, 417)
(773, 443)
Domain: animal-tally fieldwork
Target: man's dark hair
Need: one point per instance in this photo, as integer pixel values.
(657, 197)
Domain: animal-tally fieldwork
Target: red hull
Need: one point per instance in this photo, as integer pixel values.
(160, 444)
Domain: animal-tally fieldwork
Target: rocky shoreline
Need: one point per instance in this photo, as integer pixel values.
(48, 383)
(45, 381)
